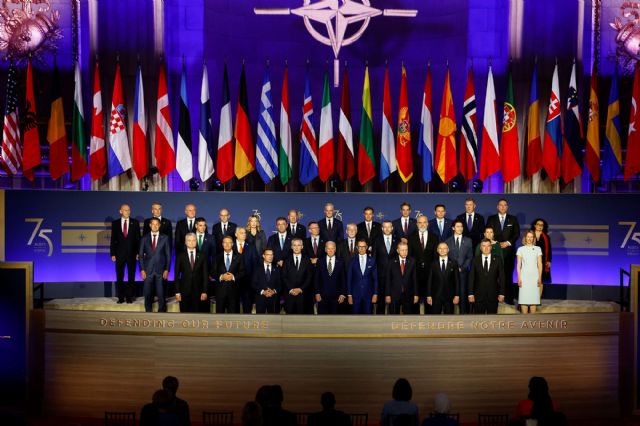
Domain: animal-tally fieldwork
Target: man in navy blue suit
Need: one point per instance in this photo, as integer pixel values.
(362, 281)
(205, 243)
(280, 242)
(384, 248)
(461, 250)
(329, 281)
(440, 225)
(250, 259)
(331, 229)
(295, 229)
(405, 225)
(473, 222)
(154, 257)
(266, 284)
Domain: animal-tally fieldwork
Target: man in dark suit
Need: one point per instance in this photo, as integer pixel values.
(473, 222)
(224, 228)
(422, 247)
(346, 250)
(401, 288)
(329, 415)
(229, 272)
(184, 226)
(314, 244)
(166, 228)
(330, 281)
(125, 242)
(486, 281)
(368, 229)
(506, 231)
(331, 229)
(405, 225)
(297, 275)
(266, 284)
(461, 250)
(280, 242)
(205, 243)
(154, 256)
(443, 289)
(294, 228)
(384, 249)
(362, 281)
(191, 276)
(440, 225)
(250, 259)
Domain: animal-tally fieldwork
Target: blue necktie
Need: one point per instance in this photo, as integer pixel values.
(469, 222)
(227, 262)
(440, 226)
(281, 242)
(502, 223)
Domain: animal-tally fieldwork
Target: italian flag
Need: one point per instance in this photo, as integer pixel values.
(326, 160)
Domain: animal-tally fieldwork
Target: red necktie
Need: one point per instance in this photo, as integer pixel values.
(406, 227)
(422, 240)
(402, 266)
(125, 229)
(153, 244)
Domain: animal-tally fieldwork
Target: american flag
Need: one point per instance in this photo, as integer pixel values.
(11, 157)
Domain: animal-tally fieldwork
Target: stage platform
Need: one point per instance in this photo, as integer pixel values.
(94, 361)
(110, 304)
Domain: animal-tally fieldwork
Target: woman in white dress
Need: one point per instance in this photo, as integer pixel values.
(529, 273)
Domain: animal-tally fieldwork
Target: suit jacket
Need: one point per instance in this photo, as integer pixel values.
(344, 251)
(486, 286)
(361, 285)
(274, 244)
(444, 286)
(182, 230)
(301, 231)
(462, 256)
(511, 231)
(166, 228)
(382, 257)
(216, 230)
(398, 231)
(297, 278)
(376, 229)
(155, 262)
(423, 256)
(307, 249)
(249, 257)
(399, 284)
(236, 266)
(259, 280)
(121, 247)
(446, 229)
(330, 286)
(337, 230)
(208, 249)
(188, 281)
(476, 233)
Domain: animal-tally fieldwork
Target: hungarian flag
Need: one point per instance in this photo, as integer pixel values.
(489, 151)
(164, 150)
(552, 148)
(11, 156)
(346, 167)
(78, 135)
(632, 166)
(404, 154)
(469, 143)
(326, 160)
(286, 153)
(534, 142)
(245, 160)
(205, 136)
(366, 160)
(572, 149)
(425, 141)
(224, 164)
(388, 163)
(612, 150)
(140, 150)
(184, 158)
(445, 160)
(509, 151)
(31, 145)
(592, 148)
(56, 133)
(308, 150)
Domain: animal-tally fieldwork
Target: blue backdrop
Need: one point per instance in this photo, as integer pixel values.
(66, 236)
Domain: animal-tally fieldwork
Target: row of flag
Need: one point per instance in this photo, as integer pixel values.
(558, 149)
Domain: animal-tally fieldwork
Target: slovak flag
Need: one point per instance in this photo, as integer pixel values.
(119, 155)
(552, 148)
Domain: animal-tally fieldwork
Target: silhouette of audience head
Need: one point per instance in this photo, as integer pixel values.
(170, 384)
(252, 414)
(328, 401)
(263, 396)
(277, 395)
(441, 403)
(162, 399)
(402, 390)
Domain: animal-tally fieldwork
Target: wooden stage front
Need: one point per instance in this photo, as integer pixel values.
(96, 361)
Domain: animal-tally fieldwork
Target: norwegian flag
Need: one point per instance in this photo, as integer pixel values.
(11, 157)
(469, 144)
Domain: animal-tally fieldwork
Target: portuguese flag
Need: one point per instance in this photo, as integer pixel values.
(509, 152)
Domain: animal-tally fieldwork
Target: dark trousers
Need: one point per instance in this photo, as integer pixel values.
(442, 306)
(190, 303)
(329, 305)
(483, 307)
(227, 298)
(152, 283)
(124, 290)
(267, 305)
(362, 305)
(380, 304)
(294, 304)
(247, 298)
(463, 304)
(406, 304)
